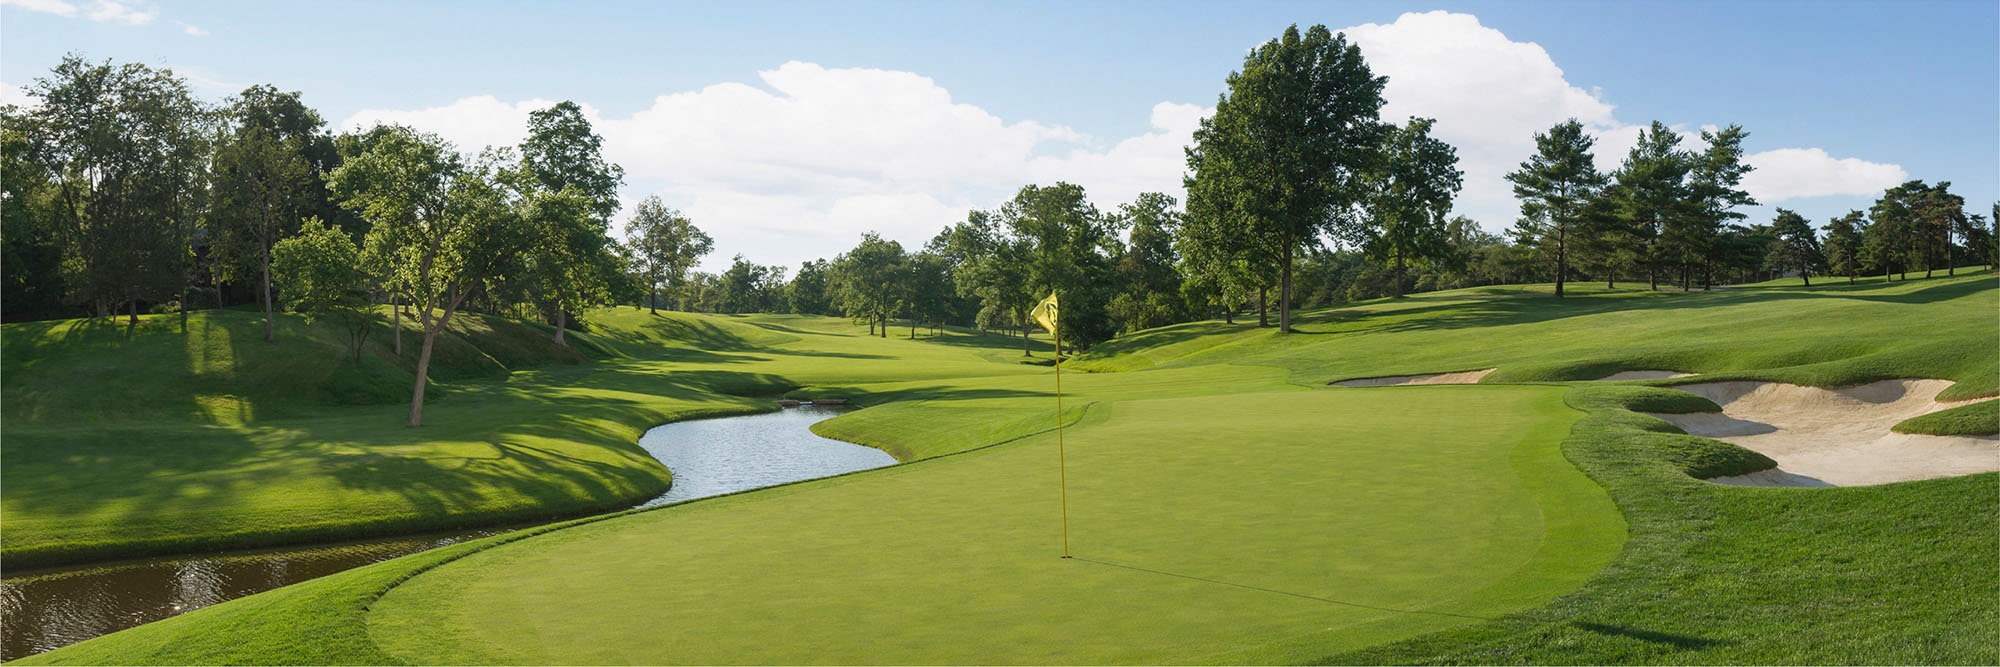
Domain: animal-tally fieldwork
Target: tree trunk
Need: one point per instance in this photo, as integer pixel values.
(135, 313)
(1285, 292)
(184, 309)
(1806, 276)
(1027, 346)
(270, 330)
(884, 318)
(396, 315)
(1399, 275)
(423, 377)
(1562, 271)
(562, 319)
(913, 328)
(1263, 320)
(1950, 265)
(1653, 277)
(652, 303)
(1228, 315)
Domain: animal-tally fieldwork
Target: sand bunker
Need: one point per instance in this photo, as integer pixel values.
(1467, 377)
(1643, 375)
(1836, 437)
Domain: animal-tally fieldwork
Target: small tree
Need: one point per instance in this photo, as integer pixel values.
(1794, 246)
(319, 272)
(1843, 245)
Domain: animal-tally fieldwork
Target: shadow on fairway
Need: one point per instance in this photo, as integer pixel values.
(1301, 596)
(1676, 641)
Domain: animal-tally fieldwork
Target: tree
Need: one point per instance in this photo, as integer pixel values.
(1941, 216)
(1651, 191)
(1795, 246)
(927, 295)
(1409, 195)
(124, 147)
(31, 246)
(1062, 237)
(441, 227)
(1149, 286)
(576, 192)
(808, 292)
(666, 244)
(263, 183)
(870, 279)
(1280, 163)
(1843, 245)
(319, 270)
(1714, 190)
(1555, 186)
(1895, 236)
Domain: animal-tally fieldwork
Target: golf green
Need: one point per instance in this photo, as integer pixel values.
(1307, 520)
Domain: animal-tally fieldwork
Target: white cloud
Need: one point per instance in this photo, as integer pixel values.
(797, 164)
(1790, 173)
(57, 7)
(11, 94)
(121, 12)
(191, 29)
(800, 167)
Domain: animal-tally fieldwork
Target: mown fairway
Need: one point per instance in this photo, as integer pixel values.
(1228, 507)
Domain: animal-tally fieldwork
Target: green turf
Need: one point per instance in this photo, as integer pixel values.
(1209, 430)
(130, 441)
(1981, 418)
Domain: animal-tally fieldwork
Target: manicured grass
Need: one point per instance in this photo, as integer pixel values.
(1220, 480)
(1981, 418)
(131, 441)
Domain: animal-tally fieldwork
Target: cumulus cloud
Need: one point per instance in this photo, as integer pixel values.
(1789, 173)
(191, 29)
(120, 12)
(818, 155)
(805, 158)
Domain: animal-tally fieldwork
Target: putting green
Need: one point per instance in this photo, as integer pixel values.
(1308, 520)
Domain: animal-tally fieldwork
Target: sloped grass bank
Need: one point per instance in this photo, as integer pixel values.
(1713, 574)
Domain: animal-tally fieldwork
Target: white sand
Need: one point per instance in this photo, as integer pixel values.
(1643, 375)
(1836, 437)
(1467, 377)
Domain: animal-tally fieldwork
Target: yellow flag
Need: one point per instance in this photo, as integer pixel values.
(1045, 313)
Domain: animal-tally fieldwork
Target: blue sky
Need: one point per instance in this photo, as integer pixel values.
(787, 129)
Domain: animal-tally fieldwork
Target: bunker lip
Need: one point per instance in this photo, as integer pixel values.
(1838, 436)
(1464, 377)
(1644, 375)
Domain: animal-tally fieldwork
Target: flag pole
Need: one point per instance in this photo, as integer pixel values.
(1062, 463)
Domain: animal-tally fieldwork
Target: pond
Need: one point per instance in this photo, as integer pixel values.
(46, 609)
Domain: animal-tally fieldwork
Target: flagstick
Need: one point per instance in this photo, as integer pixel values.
(1062, 463)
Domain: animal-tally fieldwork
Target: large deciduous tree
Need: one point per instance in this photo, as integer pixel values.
(1555, 187)
(124, 147)
(1063, 238)
(440, 226)
(665, 244)
(575, 194)
(1149, 286)
(1409, 195)
(266, 176)
(870, 279)
(1280, 163)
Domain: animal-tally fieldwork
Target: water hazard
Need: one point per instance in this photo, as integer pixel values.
(47, 609)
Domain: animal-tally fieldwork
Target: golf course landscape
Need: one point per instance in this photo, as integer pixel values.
(1225, 504)
(1047, 333)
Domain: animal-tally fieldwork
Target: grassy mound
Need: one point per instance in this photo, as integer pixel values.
(1981, 418)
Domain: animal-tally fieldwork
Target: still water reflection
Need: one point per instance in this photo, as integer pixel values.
(47, 609)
